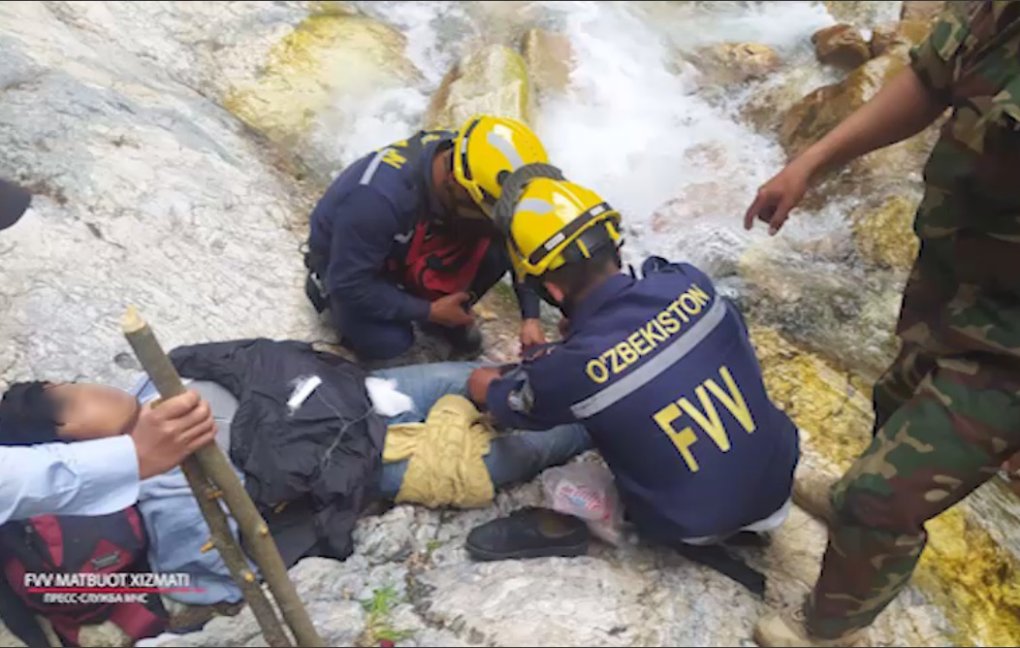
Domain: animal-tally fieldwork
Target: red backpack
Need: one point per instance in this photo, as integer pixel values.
(440, 263)
(71, 544)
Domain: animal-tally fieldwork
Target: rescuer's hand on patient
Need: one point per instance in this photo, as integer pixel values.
(450, 311)
(532, 334)
(479, 381)
(165, 435)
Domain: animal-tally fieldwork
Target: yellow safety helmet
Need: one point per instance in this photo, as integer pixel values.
(486, 150)
(555, 222)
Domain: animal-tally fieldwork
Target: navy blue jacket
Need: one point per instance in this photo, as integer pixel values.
(368, 216)
(663, 375)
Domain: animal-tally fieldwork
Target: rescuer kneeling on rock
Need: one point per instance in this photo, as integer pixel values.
(404, 235)
(659, 369)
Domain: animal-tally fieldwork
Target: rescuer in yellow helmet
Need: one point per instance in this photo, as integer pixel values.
(660, 371)
(487, 150)
(405, 235)
(555, 228)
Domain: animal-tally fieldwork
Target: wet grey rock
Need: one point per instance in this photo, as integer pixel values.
(825, 301)
(395, 535)
(146, 193)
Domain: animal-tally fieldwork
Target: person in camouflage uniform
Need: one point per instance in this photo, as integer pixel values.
(947, 412)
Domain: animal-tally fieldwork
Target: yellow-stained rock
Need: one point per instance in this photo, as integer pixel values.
(974, 580)
(967, 574)
(492, 80)
(816, 114)
(329, 52)
(905, 33)
(885, 235)
(727, 63)
(549, 58)
(841, 45)
(832, 406)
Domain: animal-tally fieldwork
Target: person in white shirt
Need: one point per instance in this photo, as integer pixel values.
(101, 476)
(95, 477)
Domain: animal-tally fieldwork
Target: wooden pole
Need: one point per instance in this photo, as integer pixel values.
(235, 560)
(207, 465)
(262, 548)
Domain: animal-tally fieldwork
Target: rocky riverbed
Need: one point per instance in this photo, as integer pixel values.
(175, 150)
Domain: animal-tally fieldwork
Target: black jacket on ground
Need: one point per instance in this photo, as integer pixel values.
(321, 463)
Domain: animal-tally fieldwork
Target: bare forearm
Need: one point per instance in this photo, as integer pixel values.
(904, 107)
(479, 381)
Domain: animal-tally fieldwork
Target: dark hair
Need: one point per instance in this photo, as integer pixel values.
(28, 415)
(578, 276)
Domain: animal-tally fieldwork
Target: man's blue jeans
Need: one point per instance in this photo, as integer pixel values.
(513, 457)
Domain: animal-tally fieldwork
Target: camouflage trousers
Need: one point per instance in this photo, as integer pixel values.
(944, 425)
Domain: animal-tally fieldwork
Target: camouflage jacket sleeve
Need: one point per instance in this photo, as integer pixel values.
(936, 58)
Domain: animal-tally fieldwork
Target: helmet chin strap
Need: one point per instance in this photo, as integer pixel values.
(566, 307)
(569, 304)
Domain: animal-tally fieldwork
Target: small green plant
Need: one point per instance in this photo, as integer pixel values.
(432, 545)
(378, 626)
(382, 602)
(391, 635)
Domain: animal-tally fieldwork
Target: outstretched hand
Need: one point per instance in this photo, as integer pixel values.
(777, 197)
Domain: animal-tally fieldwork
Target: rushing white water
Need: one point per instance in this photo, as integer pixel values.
(636, 124)
(663, 142)
(640, 133)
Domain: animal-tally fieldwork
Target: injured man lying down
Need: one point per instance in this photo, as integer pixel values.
(315, 439)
